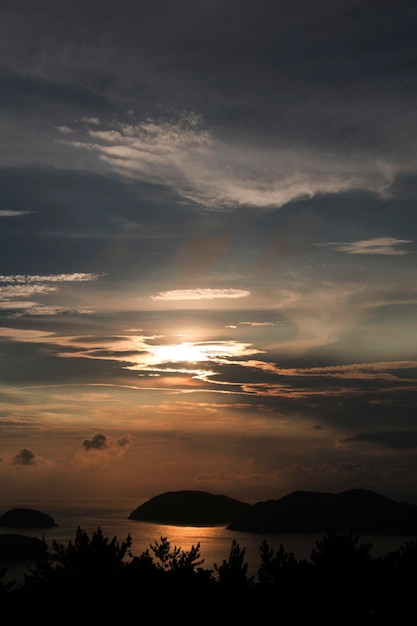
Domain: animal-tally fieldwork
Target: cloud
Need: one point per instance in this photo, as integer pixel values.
(35, 310)
(102, 442)
(65, 130)
(317, 477)
(94, 121)
(25, 290)
(255, 324)
(49, 278)
(101, 450)
(356, 371)
(183, 155)
(395, 439)
(15, 286)
(6, 305)
(201, 294)
(376, 245)
(98, 442)
(25, 457)
(21, 334)
(343, 470)
(5, 213)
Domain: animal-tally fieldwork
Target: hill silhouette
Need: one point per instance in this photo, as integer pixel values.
(359, 510)
(192, 508)
(16, 547)
(26, 518)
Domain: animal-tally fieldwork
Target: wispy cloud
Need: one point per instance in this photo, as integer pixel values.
(32, 336)
(46, 278)
(24, 290)
(222, 366)
(255, 324)
(34, 309)
(5, 213)
(15, 287)
(201, 294)
(16, 304)
(376, 245)
(65, 130)
(183, 155)
(94, 121)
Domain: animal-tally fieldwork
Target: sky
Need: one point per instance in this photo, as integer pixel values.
(208, 238)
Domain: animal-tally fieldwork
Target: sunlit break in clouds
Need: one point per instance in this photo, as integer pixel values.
(200, 294)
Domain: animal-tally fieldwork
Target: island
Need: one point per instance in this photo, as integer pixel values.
(17, 548)
(26, 518)
(190, 508)
(357, 510)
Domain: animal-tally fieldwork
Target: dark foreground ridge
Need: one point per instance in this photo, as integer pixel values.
(357, 510)
(26, 518)
(191, 508)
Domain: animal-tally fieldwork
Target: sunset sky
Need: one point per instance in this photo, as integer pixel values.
(208, 244)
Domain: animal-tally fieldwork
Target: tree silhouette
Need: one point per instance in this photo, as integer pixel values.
(5, 586)
(232, 572)
(176, 559)
(338, 551)
(344, 577)
(277, 567)
(83, 556)
(342, 584)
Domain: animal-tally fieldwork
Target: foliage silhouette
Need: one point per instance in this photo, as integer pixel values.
(344, 568)
(7, 586)
(233, 572)
(176, 559)
(82, 558)
(338, 551)
(341, 584)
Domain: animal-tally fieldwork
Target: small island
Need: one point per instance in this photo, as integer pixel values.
(16, 548)
(189, 508)
(26, 518)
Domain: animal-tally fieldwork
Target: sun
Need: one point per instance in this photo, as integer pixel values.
(184, 352)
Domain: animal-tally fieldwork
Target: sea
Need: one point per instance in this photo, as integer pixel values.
(215, 541)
